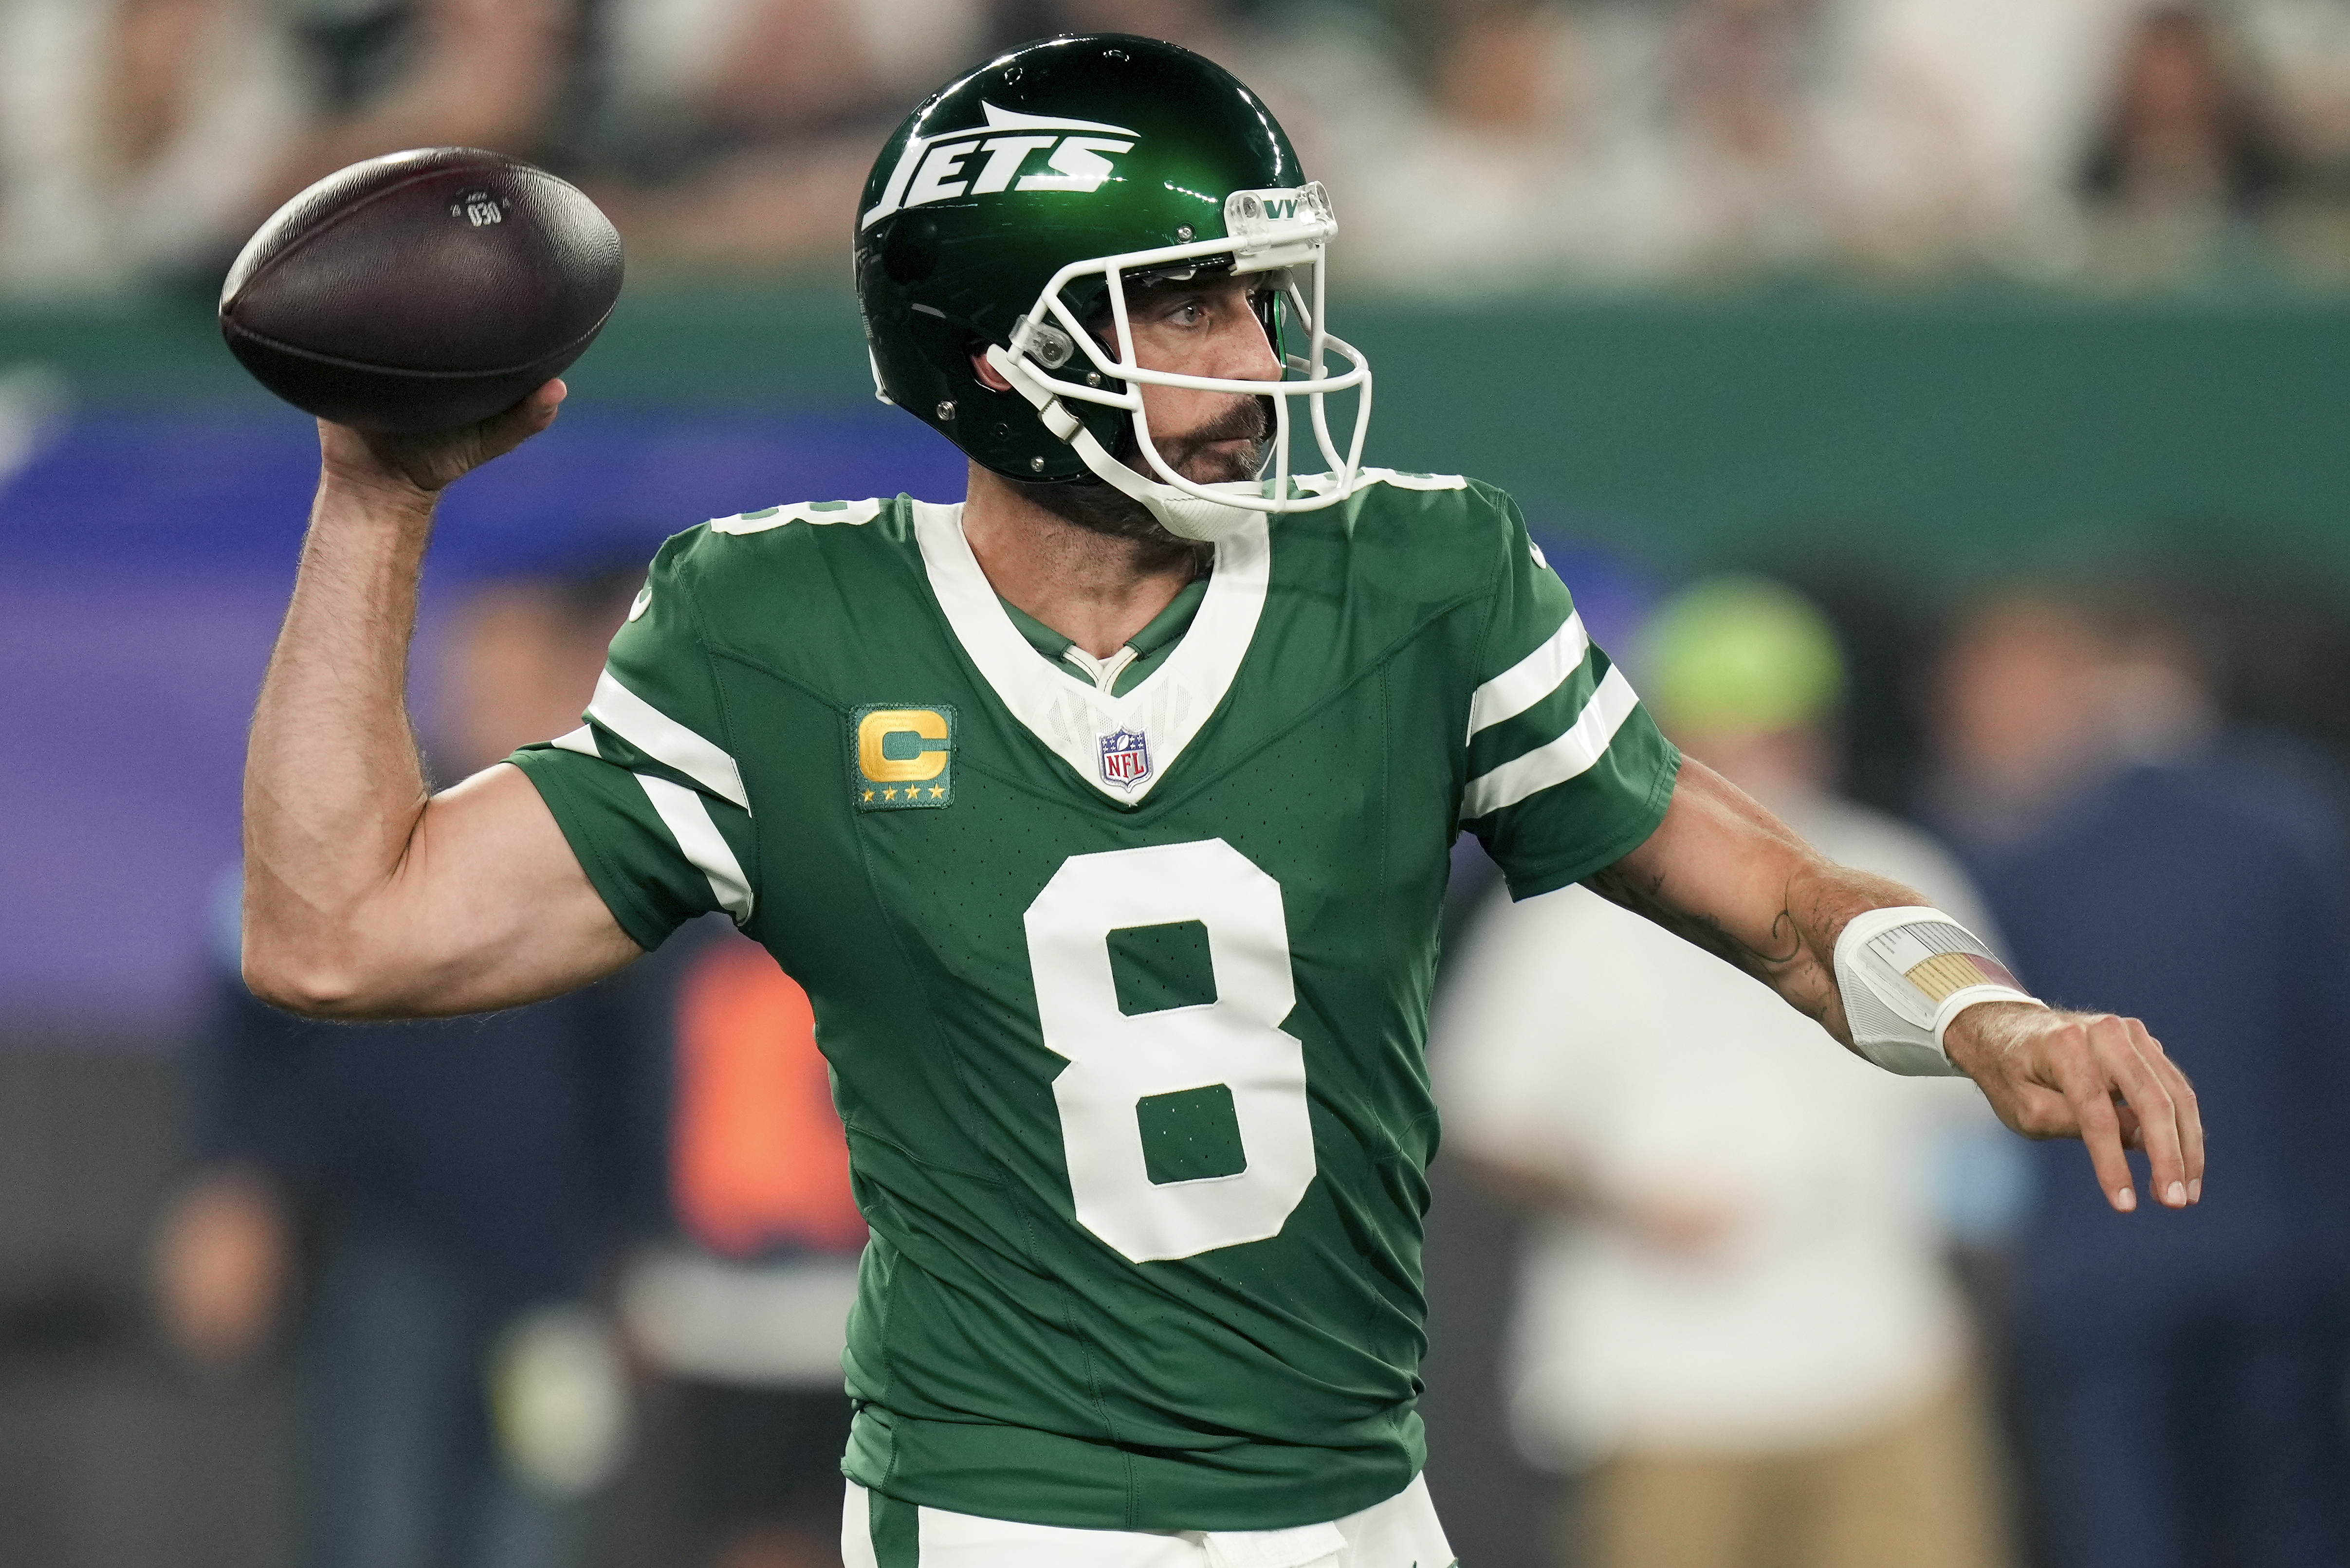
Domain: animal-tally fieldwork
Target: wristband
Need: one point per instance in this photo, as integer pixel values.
(1904, 974)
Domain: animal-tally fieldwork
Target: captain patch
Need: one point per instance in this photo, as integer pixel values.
(901, 757)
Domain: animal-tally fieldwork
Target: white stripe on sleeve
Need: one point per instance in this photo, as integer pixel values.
(581, 740)
(1530, 679)
(665, 739)
(1572, 753)
(689, 821)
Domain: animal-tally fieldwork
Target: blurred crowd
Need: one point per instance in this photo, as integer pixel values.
(1778, 1307)
(491, 1251)
(1468, 144)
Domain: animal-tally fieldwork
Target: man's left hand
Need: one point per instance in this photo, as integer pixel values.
(2090, 1075)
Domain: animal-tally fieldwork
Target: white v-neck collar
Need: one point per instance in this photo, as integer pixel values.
(1121, 745)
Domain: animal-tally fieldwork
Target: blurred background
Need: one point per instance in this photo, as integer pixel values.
(1938, 405)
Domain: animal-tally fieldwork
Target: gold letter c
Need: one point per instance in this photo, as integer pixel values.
(876, 729)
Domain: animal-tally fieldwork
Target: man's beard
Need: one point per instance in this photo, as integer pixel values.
(1100, 508)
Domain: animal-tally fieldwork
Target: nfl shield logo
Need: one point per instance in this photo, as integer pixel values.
(1125, 758)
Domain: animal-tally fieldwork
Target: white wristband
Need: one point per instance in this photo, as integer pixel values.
(1904, 974)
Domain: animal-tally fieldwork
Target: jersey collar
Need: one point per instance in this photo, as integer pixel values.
(1136, 659)
(1122, 745)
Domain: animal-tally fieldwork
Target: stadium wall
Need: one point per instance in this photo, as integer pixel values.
(1968, 434)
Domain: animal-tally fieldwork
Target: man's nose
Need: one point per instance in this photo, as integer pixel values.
(1244, 351)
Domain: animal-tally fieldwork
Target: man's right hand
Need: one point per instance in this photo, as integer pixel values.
(425, 465)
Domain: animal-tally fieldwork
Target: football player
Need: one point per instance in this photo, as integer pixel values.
(1105, 816)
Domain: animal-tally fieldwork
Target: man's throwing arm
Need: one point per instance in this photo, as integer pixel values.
(365, 897)
(1727, 875)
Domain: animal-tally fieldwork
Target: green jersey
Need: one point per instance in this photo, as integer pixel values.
(1124, 980)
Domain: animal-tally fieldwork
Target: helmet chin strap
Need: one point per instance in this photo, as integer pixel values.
(1181, 514)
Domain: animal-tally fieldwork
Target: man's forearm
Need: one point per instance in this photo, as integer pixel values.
(1725, 873)
(363, 898)
(1823, 898)
(333, 785)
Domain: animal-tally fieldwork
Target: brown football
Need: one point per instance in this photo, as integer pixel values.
(421, 291)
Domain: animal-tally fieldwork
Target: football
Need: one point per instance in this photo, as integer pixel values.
(421, 291)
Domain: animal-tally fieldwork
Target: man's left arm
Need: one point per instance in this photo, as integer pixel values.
(1727, 875)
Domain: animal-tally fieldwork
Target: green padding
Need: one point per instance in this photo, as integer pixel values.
(1190, 1135)
(1158, 967)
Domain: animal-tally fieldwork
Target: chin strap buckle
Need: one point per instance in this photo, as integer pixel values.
(1051, 347)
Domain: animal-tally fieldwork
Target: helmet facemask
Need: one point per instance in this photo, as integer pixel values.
(1283, 231)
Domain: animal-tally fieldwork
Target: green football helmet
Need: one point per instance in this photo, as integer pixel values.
(1006, 217)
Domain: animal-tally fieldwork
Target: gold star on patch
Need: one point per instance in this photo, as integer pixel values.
(937, 790)
(889, 794)
(868, 795)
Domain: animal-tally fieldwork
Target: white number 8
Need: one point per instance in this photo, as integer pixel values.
(1116, 1060)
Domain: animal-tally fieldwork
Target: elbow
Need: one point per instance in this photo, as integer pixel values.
(308, 991)
(300, 982)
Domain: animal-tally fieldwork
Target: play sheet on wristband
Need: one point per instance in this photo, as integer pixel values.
(1938, 962)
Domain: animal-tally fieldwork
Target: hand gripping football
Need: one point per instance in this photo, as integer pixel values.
(421, 291)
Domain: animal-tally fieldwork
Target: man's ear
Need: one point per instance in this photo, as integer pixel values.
(989, 376)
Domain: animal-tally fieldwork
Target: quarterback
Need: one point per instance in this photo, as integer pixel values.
(1105, 816)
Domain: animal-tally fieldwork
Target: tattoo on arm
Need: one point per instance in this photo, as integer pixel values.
(1644, 896)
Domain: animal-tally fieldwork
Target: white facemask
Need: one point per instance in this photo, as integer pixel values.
(1268, 231)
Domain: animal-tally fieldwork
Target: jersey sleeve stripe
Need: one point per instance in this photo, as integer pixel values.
(1530, 679)
(1571, 755)
(581, 740)
(689, 821)
(666, 740)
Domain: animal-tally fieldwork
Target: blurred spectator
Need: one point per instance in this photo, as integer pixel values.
(128, 131)
(2183, 125)
(1738, 1316)
(216, 111)
(746, 1306)
(1446, 137)
(429, 1201)
(736, 134)
(2180, 1376)
(2187, 155)
(2017, 718)
(2303, 51)
(384, 74)
(1611, 141)
(764, 116)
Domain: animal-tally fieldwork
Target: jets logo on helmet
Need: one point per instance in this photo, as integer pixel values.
(984, 162)
(1005, 220)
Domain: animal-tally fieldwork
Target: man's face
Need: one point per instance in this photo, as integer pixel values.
(1202, 327)
(1207, 325)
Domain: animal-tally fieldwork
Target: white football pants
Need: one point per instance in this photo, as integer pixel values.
(1401, 1532)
